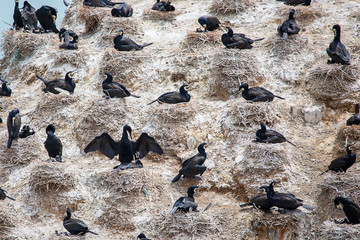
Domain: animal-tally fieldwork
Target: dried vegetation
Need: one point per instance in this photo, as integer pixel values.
(229, 6)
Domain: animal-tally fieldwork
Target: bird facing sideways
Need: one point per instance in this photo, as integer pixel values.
(142, 236)
(66, 84)
(70, 38)
(270, 136)
(237, 40)
(209, 23)
(114, 89)
(257, 94)
(260, 201)
(46, 16)
(354, 119)
(3, 195)
(288, 27)
(124, 10)
(18, 21)
(337, 51)
(75, 226)
(186, 204)
(53, 144)
(341, 164)
(122, 43)
(174, 97)
(163, 6)
(351, 210)
(13, 126)
(5, 90)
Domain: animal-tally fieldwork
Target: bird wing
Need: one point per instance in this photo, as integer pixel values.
(238, 43)
(171, 97)
(256, 91)
(105, 144)
(293, 27)
(196, 160)
(145, 144)
(342, 52)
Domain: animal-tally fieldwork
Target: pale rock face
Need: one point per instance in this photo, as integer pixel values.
(312, 115)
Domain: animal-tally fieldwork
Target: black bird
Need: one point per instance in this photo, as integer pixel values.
(257, 94)
(47, 16)
(100, 3)
(124, 10)
(53, 144)
(295, 2)
(126, 148)
(5, 90)
(29, 17)
(270, 136)
(3, 195)
(260, 201)
(142, 236)
(18, 21)
(341, 164)
(75, 226)
(163, 6)
(351, 210)
(337, 51)
(237, 40)
(288, 27)
(126, 44)
(13, 126)
(114, 89)
(354, 119)
(69, 41)
(26, 131)
(65, 84)
(174, 97)
(71, 33)
(209, 23)
(186, 203)
(193, 166)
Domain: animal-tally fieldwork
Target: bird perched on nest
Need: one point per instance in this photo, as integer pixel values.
(257, 94)
(163, 6)
(100, 3)
(270, 136)
(288, 27)
(260, 201)
(237, 40)
(126, 148)
(351, 210)
(66, 84)
(193, 166)
(174, 97)
(29, 17)
(209, 23)
(114, 89)
(46, 16)
(75, 226)
(124, 10)
(337, 51)
(13, 126)
(186, 204)
(295, 2)
(3, 195)
(53, 144)
(354, 119)
(125, 44)
(26, 131)
(142, 236)
(341, 164)
(18, 21)
(5, 90)
(70, 39)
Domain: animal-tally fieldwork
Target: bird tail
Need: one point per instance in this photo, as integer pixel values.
(10, 198)
(173, 210)
(291, 143)
(9, 142)
(307, 207)
(176, 178)
(285, 36)
(145, 45)
(246, 204)
(280, 97)
(93, 233)
(112, 3)
(259, 39)
(134, 96)
(46, 82)
(324, 172)
(152, 102)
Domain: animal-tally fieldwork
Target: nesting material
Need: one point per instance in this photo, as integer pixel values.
(293, 47)
(111, 25)
(203, 39)
(6, 222)
(92, 17)
(173, 113)
(77, 58)
(154, 15)
(303, 14)
(229, 6)
(117, 220)
(331, 231)
(50, 179)
(353, 135)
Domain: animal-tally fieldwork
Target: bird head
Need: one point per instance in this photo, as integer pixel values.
(339, 201)
(115, 12)
(141, 236)
(291, 14)
(336, 29)
(127, 129)
(50, 128)
(244, 86)
(120, 32)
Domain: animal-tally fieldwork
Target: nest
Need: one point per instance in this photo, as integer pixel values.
(6, 223)
(173, 113)
(303, 14)
(353, 135)
(202, 39)
(293, 47)
(92, 17)
(50, 179)
(229, 6)
(111, 25)
(332, 231)
(154, 15)
(230, 68)
(77, 58)
(116, 220)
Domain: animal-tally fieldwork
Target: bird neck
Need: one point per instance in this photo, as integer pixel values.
(337, 36)
(67, 78)
(270, 192)
(68, 216)
(108, 79)
(183, 91)
(191, 193)
(230, 32)
(202, 151)
(263, 128)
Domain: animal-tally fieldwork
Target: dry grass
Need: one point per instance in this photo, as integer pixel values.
(332, 231)
(173, 113)
(303, 14)
(229, 6)
(116, 220)
(293, 47)
(49, 179)
(7, 222)
(111, 25)
(202, 39)
(154, 15)
(76, 58)
(92, 17)
(353, 135)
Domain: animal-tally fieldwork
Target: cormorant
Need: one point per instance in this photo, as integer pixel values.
(13, 126)
(270, 136)
(114, 89)
(29, 16)
(142, 236)
(260, 201)
(341, 164)
(126, 44)
(351, 210)
(163, 6)
(26, 131)
(5, 90)
(193, 166)
(257, 94)
(288, 27)
(100, 3)
(18, 21)
(69, 42)
(174, 97)
(53, 144)
(354, 119)
(337, 51)
(3, 195)
(209, 23)
(71, 33)
(124, 10)
(295, 2)
(237, 40)
(75, 226)
(186, 203)
(47, 16)
(126, 148)
(65, 84)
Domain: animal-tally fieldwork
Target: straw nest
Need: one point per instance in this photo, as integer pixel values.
(232, 67)
(49, 179)
(77, 58)
(116, 220)
(332, 231)
(92, 17)
(7, 222)
(353, 135)
(202, 39)
(192, 225)
(282, 50)
(173, 113)
(110, 26)
(303, 14)
(154, 15)
(333, 82)
(229, 6)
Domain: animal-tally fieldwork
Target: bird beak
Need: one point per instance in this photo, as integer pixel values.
(129, 134)
(223, 28)
(339, 206)
(13, 120)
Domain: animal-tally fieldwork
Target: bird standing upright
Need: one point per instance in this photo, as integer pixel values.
(53, 144)
(13, 126)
